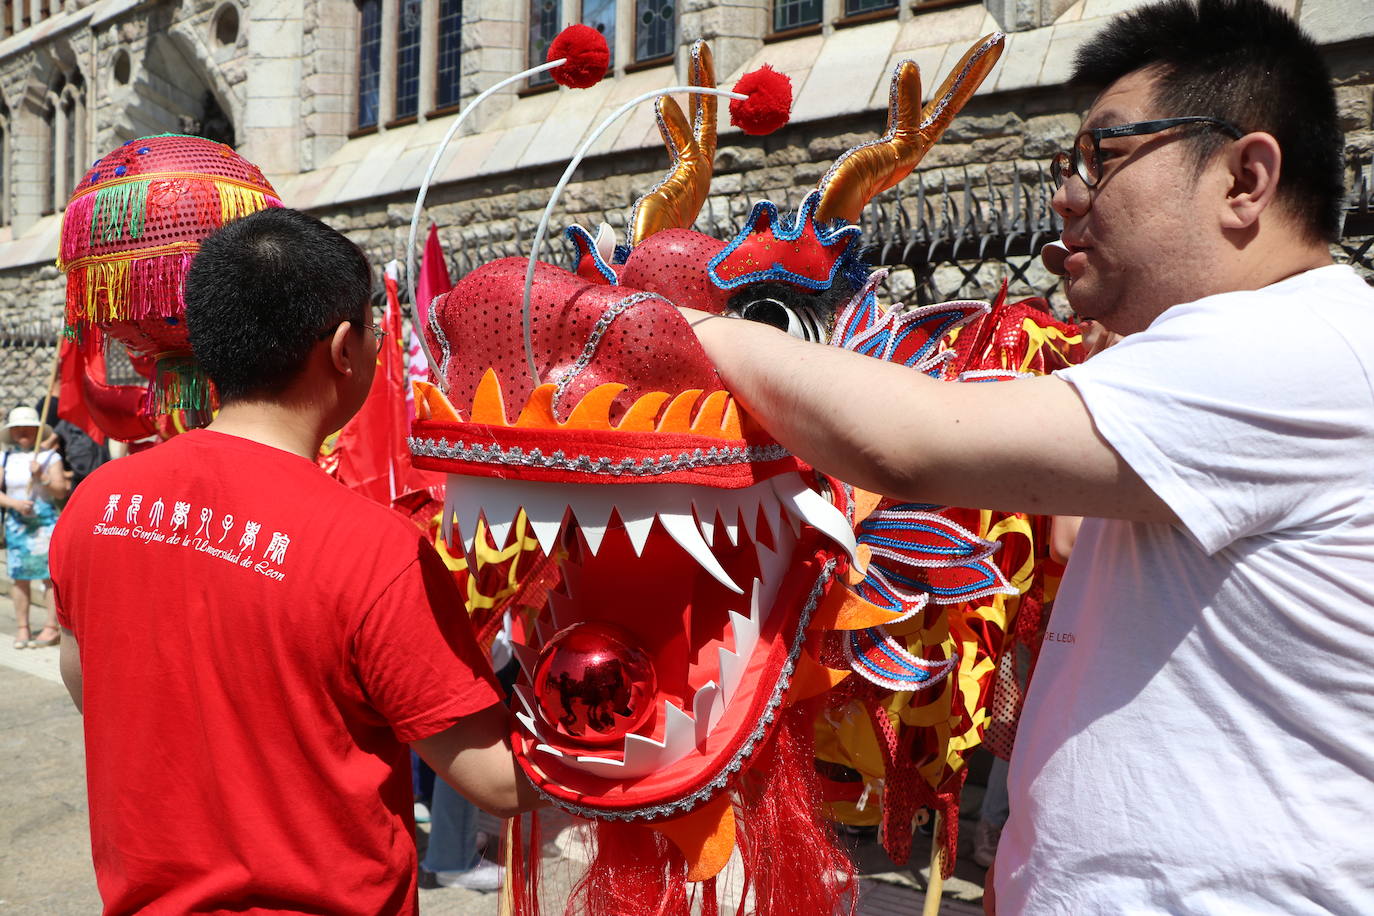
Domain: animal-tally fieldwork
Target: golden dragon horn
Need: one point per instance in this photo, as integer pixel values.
(676, 200)
(871, 168)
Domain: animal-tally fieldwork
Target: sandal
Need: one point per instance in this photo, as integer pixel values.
(22, 642)
(52, 640)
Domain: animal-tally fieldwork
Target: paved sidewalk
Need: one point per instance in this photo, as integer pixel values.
(45, 864)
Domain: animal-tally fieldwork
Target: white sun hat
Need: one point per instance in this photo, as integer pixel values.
(19, 418)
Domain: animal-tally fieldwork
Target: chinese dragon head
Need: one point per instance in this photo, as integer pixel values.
(708, 586)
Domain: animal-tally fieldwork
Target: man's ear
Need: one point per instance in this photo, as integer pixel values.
(344, 351)
(1254, 162)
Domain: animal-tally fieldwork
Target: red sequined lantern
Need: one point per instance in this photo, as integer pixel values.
(129, 233)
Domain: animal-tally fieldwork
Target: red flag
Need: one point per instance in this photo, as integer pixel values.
(371, 450)
(433, 279)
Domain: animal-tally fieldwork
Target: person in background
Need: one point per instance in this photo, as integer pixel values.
(34, 486)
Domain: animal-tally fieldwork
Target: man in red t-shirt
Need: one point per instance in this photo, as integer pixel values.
(253, 645)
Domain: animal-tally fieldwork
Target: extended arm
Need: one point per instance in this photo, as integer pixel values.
(1027, 445)
(69, 665)
(475, 758)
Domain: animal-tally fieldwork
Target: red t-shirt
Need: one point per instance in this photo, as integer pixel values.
(258, 644)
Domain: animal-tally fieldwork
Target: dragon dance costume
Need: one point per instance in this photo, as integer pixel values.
(702, 602)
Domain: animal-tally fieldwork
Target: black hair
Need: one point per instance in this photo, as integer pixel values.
(1246, 62)
(262, 292)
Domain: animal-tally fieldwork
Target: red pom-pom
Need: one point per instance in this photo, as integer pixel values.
(587, 54)
(769, 104)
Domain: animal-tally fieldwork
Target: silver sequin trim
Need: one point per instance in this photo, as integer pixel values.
(603, 324)
(441, 337)
(625, 467)
(704, 794)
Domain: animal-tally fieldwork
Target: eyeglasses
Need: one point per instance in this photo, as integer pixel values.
(377, 332)
(1086, 157)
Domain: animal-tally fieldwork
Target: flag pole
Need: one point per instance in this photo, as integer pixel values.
(935, 886)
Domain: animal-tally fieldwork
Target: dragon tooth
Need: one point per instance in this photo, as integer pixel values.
(464, 503)
(805, 504)
(682, 528)
(522, 693)
(679, 731)
(731, 670)
(706, 708)
(746, 632)
(706, 519)
(528, 722)
(592, 509)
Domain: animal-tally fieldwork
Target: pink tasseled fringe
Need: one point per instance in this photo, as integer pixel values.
(128, 290)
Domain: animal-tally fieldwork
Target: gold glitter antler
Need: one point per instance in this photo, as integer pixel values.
(676, 200)
(867, 170)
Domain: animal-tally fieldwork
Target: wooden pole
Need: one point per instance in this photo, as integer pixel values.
(47, 398)
(935, 886)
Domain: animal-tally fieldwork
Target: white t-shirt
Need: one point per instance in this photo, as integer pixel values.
(1199, 733)
(17, 470)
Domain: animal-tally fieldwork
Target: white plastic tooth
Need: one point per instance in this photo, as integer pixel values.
(746, 632)
(805, 504)
(528, 722)
(706, 519)
(522, 694)
(683, 529)
(706, 709)
(463, 506)
(592, 509)
(731, 670)
(645, 755)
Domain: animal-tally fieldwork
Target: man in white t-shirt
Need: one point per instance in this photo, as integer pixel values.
(1199, 735)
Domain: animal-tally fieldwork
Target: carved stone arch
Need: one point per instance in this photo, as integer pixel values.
(52, 69)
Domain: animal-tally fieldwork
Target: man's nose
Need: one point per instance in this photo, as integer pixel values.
(1072, 198)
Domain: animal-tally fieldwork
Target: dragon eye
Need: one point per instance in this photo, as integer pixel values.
(783, 308)
(771, 311)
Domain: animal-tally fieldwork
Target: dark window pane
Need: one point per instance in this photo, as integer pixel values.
(369, 61)
(50, 186)
(450, 71)
(792, 14)
(854, 7)
(600, 15)
(408, 60)
(655, 28)
(545, 16)
(69, 154)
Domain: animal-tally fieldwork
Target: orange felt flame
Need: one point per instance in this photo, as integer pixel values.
(841, 609)
(706, 836)
(431, 404)
(811, 679)
(716, 415)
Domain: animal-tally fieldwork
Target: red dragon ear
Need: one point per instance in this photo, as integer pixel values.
(590, 265)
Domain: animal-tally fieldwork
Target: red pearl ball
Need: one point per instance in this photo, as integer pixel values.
(593, 683)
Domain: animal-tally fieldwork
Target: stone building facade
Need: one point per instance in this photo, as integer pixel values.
(343, 103)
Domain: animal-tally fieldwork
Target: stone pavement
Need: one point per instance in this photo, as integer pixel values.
(45, 864)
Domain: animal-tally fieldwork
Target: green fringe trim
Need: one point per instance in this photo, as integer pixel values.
(114, 206)
(180, 384)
